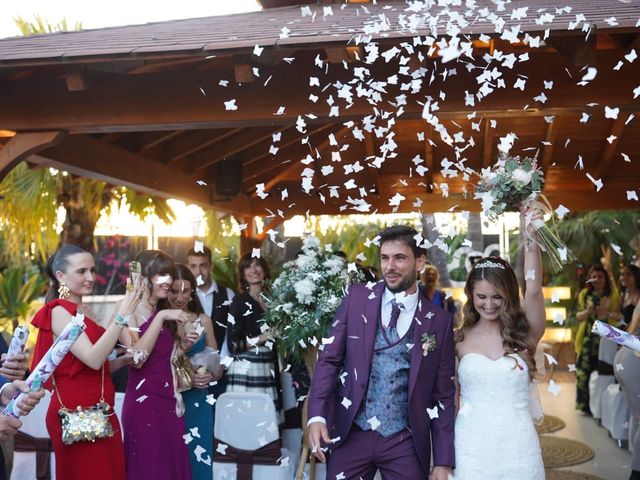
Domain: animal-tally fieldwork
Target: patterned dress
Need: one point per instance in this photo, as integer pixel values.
(254, 369)
(587, 346)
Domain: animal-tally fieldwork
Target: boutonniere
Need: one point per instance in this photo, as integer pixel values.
(428, 343)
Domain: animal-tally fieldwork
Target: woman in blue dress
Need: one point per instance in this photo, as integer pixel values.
(430, 287)
(198, 407)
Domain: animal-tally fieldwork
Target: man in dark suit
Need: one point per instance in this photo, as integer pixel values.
(382, 392)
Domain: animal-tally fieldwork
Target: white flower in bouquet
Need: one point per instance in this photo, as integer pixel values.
(311, 244)
(522, 176)
(512, 183)
(305, 261)
(304, 290)
(305, 297)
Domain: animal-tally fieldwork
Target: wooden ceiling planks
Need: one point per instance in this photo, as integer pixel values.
(165, 110)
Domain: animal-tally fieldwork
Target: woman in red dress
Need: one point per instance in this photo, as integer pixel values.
(82, 378)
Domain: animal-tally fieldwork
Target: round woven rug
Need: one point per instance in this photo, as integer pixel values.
(562, 452)
(550, 424)
(568, 475)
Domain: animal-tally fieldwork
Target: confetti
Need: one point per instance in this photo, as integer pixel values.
(374, 422)
(554, 388)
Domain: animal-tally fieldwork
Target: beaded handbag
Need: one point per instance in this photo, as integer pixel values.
(85, 424)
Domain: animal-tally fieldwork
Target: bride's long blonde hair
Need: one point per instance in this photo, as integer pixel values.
(515, 328)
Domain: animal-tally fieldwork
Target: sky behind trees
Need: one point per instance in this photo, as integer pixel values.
(115, 12)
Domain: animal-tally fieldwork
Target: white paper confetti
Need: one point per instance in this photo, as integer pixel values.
(554, 388)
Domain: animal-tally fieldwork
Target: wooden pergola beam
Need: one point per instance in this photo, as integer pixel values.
(372, 171)
(298, 203)
(170, 100)
(487, 143)
(118, 166)
(24, 144)
(256, 172)
(288, 136)
(236, 143)
(428, 156)
(192, 143)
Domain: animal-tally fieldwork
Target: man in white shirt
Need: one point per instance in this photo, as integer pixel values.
(215, 300)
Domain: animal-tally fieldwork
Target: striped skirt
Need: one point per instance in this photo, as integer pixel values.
(254, 371)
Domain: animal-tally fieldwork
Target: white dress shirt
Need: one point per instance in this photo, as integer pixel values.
(206, 300)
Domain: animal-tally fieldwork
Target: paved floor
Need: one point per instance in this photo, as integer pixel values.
(610, 462)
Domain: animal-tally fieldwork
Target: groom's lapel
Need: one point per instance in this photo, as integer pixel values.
(423, 319)
(371, 314)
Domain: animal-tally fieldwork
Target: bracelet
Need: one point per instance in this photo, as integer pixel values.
(121, 321)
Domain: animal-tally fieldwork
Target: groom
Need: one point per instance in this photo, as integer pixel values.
(383, 388)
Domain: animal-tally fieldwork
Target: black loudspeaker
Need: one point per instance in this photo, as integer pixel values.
(228, 177)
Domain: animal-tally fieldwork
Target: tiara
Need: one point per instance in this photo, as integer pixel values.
(489, 264)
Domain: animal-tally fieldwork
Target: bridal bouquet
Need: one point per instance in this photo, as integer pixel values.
(305, 297)
(514, 182)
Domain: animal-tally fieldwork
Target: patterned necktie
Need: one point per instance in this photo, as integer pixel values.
(395, 313)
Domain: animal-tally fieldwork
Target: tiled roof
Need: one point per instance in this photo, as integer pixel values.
(243, 31)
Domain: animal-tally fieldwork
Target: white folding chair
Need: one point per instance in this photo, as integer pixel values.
(24, 463)
(597, 385)
(615, 414)
(247, 421)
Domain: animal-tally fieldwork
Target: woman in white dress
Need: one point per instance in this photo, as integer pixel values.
(495, 436)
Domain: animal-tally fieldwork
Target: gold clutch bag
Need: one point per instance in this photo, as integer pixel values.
(184, 372)
(85, 424)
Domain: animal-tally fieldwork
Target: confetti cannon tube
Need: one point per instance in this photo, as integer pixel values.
(49, 361)
(18, 341)
(616, 335)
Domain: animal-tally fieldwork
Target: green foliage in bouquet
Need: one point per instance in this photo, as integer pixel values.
(304, 298)
(511, 181)
(514, 182)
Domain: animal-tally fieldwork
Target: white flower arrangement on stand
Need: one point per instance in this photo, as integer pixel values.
(304, 299)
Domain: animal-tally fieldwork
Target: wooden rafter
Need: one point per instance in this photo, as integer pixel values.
(487, 143)
(259, 165)
(274, 223)
(119, 166)
(609, 149)
(20, 146)
(191, 143)
(256, 173)
(428, 156)
(169, 100)
(288, 137)
(372, 171)
(155, 139)
(234, 144)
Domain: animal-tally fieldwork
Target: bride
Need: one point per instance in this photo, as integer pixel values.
(495, 437)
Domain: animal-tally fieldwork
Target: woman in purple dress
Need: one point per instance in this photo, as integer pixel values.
(154, 447)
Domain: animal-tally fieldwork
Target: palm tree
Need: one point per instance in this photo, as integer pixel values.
(597, 234)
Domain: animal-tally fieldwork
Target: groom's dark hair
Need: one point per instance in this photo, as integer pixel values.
(405, 234)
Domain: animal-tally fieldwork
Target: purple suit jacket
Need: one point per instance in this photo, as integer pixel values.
(430, 377)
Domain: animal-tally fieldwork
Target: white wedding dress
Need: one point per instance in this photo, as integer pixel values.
(495, 437)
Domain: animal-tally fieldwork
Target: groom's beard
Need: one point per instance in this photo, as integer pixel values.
(405, 283)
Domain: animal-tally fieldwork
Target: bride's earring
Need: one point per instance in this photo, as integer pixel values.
(63, 291)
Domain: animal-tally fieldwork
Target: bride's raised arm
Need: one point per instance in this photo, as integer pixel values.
(533, 297)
